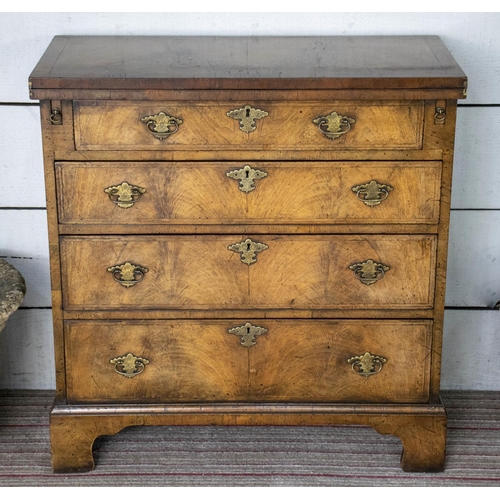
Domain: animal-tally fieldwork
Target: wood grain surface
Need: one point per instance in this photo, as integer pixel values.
(422, 432)
(296, 271)
(290, 193)
(247, 62)
(294, 361)
(111, 125)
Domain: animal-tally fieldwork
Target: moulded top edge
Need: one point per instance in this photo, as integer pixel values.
(233, 63)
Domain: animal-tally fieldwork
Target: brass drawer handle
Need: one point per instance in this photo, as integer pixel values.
(247, 177)
(162, 125)
(248, 332)
(366, 364)
(128, 274)
(129, 365)
(334, 125)
(372, 193)
(248, 250)
(125, 195)
(369, 272)
(247, 116)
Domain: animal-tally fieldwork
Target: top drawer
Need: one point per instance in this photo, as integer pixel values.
(341, 125)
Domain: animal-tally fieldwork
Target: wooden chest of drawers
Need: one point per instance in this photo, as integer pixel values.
(248, 231)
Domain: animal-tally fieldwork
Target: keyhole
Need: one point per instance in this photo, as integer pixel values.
(248, 247)
(248, 330)
(247, 173)
(248, 113)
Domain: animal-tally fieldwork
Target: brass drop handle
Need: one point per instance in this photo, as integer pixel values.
(372, 193)
(127, 274)
(367, 364)
(248, 250)
(369, 271)
(162, 125)
(334, 125)
(247, 177)
(125, 195)
(129, 365)
(248, 332)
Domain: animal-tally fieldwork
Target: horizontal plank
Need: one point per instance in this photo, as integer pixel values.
(21, 166)
(470, 351)
(26, 349)
(472, 38)
(476, 176)
(24, 244)
(474, 259)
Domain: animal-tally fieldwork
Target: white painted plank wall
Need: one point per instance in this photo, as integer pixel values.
(24, 244)
(472, 340)
(471, 349)
(476, 169)
(21, 149)
(26, 348)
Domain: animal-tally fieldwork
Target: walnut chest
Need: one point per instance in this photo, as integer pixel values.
(248, 231)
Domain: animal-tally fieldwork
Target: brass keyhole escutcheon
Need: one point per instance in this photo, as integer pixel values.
(248, 332)
(247, 116)
(125, 195)
(247, 177)
(372, 193)
(248, 250)
(367, 364)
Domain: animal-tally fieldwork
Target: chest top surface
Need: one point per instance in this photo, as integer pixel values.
(287, 63)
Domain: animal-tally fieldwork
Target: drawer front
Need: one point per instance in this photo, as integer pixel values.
(255, 192)
(234, 272)
(287, 361)
(127, 125)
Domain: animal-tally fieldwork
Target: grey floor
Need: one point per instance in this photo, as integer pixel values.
(251, 456)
